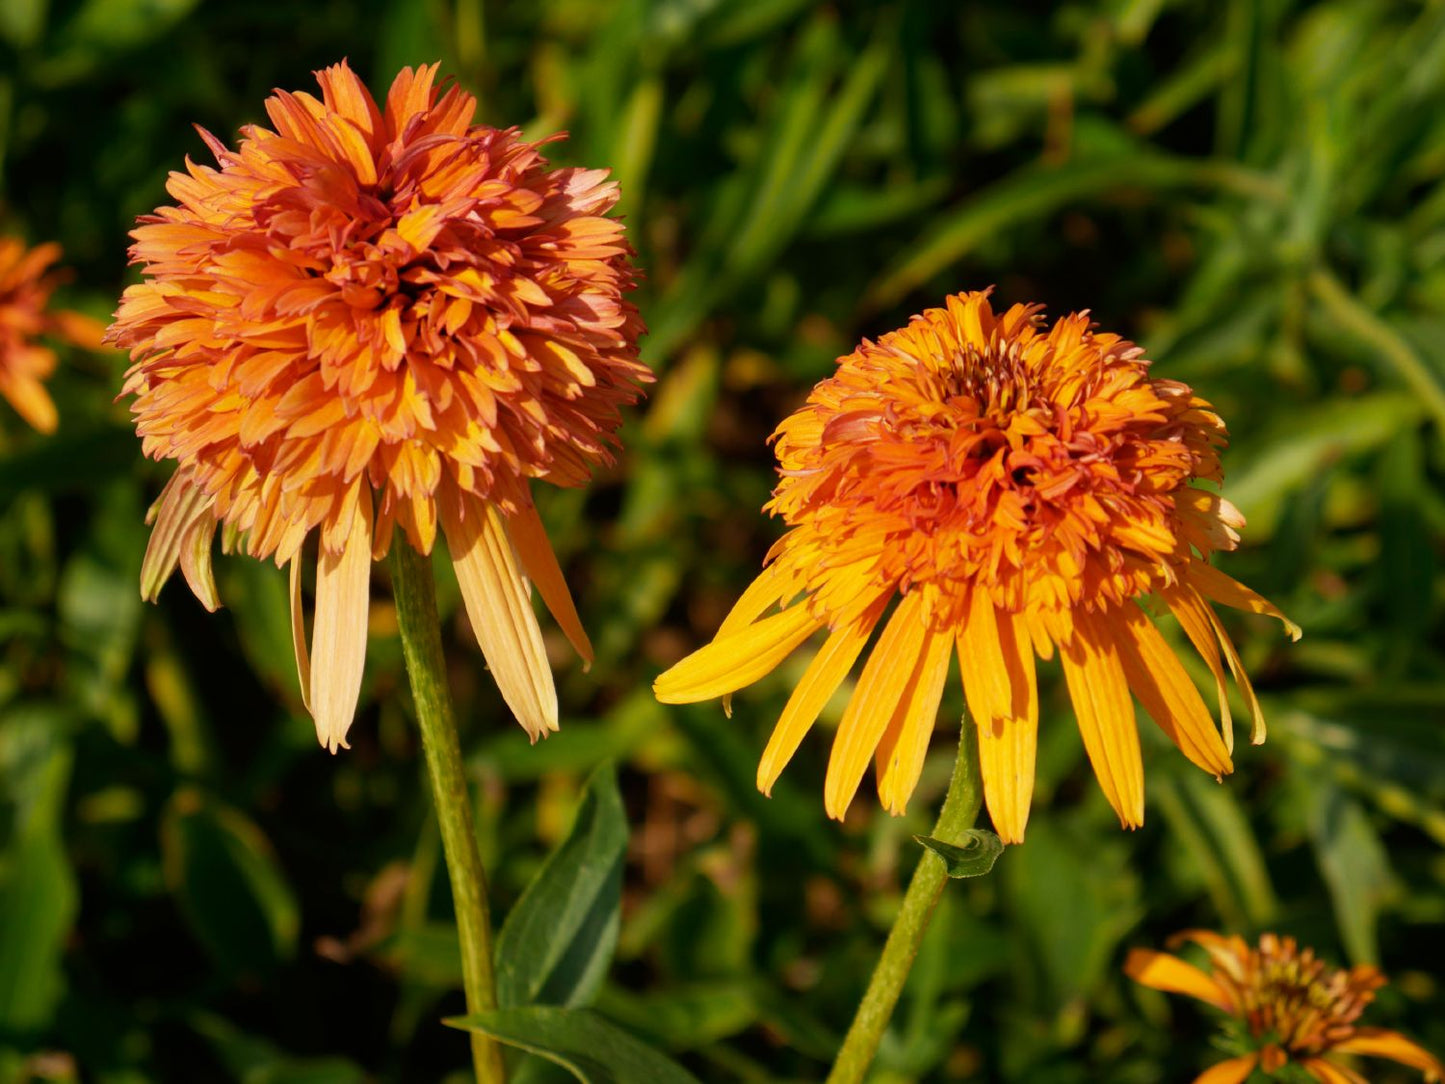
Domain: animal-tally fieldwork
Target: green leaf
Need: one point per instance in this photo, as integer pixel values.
(557, 942)
(580, 1041)
(254, 1060)
(974, 858)
(1214, 832)
(1029, 194)
(1308, 441)
(1355, 866)
(38, 895)
(221, 867)
(37, 905)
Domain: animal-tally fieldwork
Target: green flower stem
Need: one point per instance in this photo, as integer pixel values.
(416, 610)
(960, 808)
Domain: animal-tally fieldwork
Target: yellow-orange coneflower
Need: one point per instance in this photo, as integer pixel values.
(1017, 489)
(26, 284)
(1293, 1007)
(378, 317)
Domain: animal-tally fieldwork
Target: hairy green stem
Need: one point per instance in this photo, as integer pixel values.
(416, 611)
(960, 808)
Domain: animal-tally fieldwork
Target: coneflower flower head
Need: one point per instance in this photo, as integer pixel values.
(368, 318)
(26, 283)
(1016, 488)
(1290, 1005)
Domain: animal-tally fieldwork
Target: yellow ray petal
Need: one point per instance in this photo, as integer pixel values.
(1100, 693)
(1328, 1072)
(1232, 1071)
(728, 664)
(1161, 971)
(1217, 587)
(499, 606)
(1241, 676)
(1188, 607)
(900, 762)
(1159, 681)
(1381, 1043)
(298, 633)
(996, 657)
(880, 687)
(767, 588)
(338, 645)
(819, 682)
(539, 561)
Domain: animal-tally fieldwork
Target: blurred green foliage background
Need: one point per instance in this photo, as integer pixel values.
(1253, 189)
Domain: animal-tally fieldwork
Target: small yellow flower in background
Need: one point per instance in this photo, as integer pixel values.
(1294, 1007)
(1017, 489)
(372, 318)
(25, 290)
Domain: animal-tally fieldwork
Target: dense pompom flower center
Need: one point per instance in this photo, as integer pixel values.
(396, 298)
(964, 449)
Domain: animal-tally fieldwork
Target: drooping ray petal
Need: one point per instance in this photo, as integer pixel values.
(1381, 1043)
(1159, 681)
(867, 716)
(1241, 677)
(175, 514)
(1230, 1071)
(900, 762)
(1161, 971)
(819, 682)
(1330, 1072)
(1217, 587)
(996, 657)
(1100, 694)
(1188, 608)
(499, 606)
(338, 644)
(540, 563)
(740, 659)
(196, 545)
(766, 589)
(298, 631)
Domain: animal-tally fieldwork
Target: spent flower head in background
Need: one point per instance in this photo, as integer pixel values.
(26, 283)
(370, 318)
(1018, 489)
(1290, 1006)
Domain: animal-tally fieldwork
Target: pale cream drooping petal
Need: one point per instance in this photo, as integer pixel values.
(498, 599)
(338, 644)
(183, 533)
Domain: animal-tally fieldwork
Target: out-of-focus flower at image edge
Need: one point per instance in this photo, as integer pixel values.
(26, 284)
(1018, 489)
(378, 318)
(1290, 1007)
